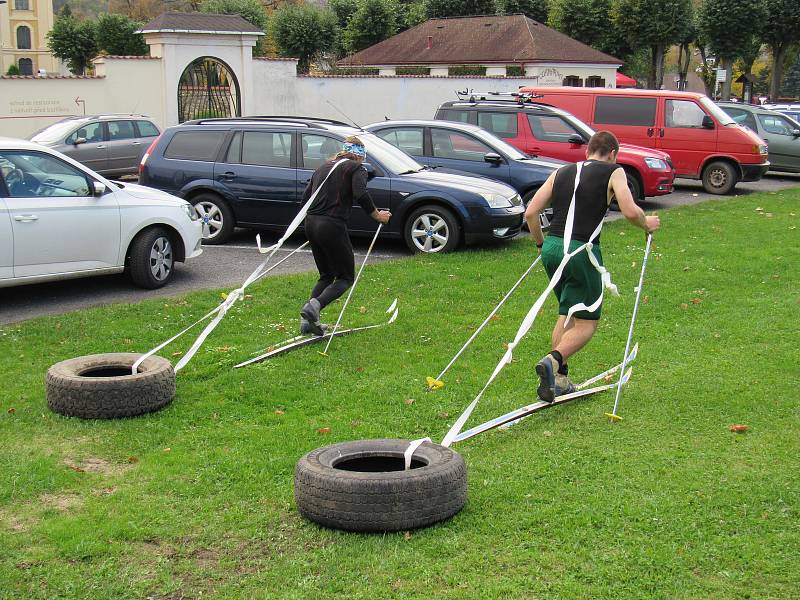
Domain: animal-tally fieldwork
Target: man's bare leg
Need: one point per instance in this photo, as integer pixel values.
(577, 334)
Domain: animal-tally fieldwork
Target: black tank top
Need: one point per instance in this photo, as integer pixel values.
(591, 198)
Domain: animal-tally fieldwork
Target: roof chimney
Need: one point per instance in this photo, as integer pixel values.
(430, 42)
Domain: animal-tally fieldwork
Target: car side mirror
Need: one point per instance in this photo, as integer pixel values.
(796, 132)
(79, 141)
(577, 140)
(493, 157)
(98, 189)
(371, 172)
(708, 122)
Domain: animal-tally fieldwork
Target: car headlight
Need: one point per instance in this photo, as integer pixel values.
(763, 149)
(496, 200)
(190, 212)
(655, 163)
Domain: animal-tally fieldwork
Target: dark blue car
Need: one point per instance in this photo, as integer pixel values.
(468, 149)
(252, 171)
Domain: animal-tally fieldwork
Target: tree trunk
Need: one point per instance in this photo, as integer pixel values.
(651, 74)
(726, 85)
(658, 59)
(683, 67)
(778, 58)
(704, 72)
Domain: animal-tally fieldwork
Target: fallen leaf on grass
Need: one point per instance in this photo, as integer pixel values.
(738, 428)
(494, 318)
(444, 415)
(646, 299)
(167, 449)
(279, 412)
(280, 327)
(359, 369)
(408, 401)
(12, 410)
(75, 468)
(407, 535)
(177, 353)
(696, 300)
(547, 433)
(759, 209)
(684, 306)
(133, 459)
(362, 309)
(324, 430)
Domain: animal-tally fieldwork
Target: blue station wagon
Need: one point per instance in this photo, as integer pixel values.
(252, 171)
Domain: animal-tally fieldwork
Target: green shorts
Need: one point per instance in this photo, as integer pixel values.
(580, 281)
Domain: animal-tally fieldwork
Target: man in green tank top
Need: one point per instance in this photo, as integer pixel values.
(601, 180)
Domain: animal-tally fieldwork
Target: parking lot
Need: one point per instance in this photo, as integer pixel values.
(227, 266)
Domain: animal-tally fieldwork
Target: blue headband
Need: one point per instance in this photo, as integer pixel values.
(357, 149)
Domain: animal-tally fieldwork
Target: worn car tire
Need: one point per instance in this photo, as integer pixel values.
(380, 496)
(719, 177)
(101, 386)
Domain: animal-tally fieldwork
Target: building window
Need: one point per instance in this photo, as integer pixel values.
(573, 81)
(21, 5)
(595, 81)
(25, 66)
(24, 38)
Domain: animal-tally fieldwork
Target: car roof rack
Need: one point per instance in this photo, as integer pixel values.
(517, 97)
(310, 122)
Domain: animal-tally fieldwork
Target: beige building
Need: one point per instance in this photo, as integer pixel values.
(23, 29)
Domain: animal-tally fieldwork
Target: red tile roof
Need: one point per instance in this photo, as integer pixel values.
(479, 40)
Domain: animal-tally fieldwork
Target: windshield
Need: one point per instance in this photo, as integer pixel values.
(56, 132)
(499, 144)
(716, 112)
(391, 158)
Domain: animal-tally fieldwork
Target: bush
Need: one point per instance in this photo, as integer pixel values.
(251, 11)
(13, 70)
(466, 70)
(303, 30)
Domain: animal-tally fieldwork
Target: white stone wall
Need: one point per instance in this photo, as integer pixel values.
(149, 86)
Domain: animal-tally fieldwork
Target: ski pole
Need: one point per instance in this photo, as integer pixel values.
(349, 295)
(613, 415)
(438, 383)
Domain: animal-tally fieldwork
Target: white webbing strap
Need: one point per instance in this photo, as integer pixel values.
(412, 447)
(529, 319)
(238, 293)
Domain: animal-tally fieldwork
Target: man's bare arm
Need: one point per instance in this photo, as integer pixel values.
(629, 209)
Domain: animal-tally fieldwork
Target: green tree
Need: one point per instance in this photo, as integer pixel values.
(459, 8)
(116, 35)
(373, 22)
(791, 83)
(411, 14)
(74, 42)
(653, 24)
(251, 11)
(589, 21)
(722, 26)
(781, 30)
(535, 9)
(343, 10)
(302, 31)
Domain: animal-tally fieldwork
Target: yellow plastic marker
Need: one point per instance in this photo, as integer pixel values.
(434, 384)
(614, 418)
(322, 353)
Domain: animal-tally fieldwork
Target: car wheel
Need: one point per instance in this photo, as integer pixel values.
(544, 217)
(635, 187)
(151, 262)
(432, 229)
(719, 178)
(216, 216)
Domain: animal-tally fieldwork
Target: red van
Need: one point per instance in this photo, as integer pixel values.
(541, 130)
(703, 141)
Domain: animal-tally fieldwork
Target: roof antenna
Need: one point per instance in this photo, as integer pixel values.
(341, 112)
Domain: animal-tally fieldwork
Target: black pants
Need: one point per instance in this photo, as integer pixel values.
(333, 254)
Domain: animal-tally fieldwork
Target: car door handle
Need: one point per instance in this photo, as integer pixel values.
(661, 132)
(101, 147)
(229, 176)
(649, 132)
(136, 143)
(307, 181)
(26, 218)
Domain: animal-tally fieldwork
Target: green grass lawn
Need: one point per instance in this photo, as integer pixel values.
(197, 500)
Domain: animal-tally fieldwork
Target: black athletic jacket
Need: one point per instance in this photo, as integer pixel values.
(347, 183)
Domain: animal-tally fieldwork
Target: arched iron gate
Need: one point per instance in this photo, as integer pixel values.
(207, 89)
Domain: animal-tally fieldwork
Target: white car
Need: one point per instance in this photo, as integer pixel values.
(60, 220)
